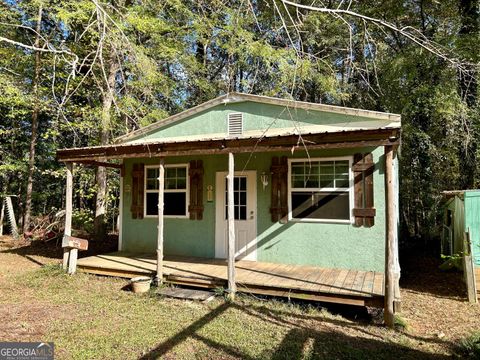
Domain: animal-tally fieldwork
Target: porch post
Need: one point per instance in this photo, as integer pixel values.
(232, 287)
(161, 191)
(69, 254)
(120, 209)
(390, 238)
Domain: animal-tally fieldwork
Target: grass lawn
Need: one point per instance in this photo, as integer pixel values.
(91, 317)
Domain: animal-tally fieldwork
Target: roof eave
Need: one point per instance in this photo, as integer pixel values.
(345, 139)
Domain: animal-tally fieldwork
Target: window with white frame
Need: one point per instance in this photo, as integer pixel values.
(319, 189)
(176, 190)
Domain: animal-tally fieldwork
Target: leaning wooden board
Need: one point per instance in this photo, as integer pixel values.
(469, 270)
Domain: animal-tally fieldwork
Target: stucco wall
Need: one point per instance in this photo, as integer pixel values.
(256, 117)
(320, 244)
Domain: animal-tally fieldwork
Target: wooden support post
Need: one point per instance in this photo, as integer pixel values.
(69, 255)
(161, 191)
(232, 287)
(390, 238)
(120, 211)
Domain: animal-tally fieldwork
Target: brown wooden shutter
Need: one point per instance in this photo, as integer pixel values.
(138, 178)
(368, 187)
(195, 173)
(364, 210)
(279, 202)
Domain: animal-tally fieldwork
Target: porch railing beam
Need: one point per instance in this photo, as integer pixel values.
(161, 192)
(232, 287)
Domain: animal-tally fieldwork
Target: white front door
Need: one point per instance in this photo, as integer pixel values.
(245, 201)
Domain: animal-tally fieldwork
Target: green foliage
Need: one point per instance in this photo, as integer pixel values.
(454, 262)
(400, 323)
(470, 346)
(83, 219)
(219, 291)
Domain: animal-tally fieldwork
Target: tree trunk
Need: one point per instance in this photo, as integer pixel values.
(468, 85)
(107, 101)
(469, 30)
(34, 135)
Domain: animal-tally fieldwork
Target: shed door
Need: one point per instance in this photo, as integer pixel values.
(245, 206)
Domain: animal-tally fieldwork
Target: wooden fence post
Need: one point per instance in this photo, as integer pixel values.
(232, 287)
(161, 192)
(390, 237)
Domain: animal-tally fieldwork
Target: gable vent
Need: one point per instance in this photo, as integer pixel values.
(235, 124)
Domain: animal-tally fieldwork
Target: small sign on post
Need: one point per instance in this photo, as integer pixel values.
(71, 247)
(74, 243)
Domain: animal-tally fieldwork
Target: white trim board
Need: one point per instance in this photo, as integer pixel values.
(220, 223)
(187, 190)
(350, 189)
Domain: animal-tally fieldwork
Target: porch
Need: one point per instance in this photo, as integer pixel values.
(362, 288)
(201, 144)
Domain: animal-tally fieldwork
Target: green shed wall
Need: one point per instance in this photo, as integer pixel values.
(319, 244)
(472, 221)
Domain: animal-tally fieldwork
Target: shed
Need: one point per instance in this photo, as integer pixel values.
(461, 226)
(461, 215)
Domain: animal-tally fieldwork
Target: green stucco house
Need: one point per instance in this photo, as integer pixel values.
(310, 184)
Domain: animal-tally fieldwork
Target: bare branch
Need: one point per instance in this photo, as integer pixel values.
(407, 32)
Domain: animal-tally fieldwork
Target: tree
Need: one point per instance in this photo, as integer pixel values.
(108, 67)
(35, 115)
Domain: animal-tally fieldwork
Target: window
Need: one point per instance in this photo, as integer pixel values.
(239, 198)
(319, 190)
(176, 190)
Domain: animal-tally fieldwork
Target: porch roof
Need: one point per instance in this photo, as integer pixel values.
(226, 144)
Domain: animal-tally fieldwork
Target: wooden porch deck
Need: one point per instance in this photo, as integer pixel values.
(363, 288)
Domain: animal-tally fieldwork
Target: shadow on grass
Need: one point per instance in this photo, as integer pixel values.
(313, 344)
(54, 250)
(189, 331)
(281, 318)
(301, 341)
(28, 250)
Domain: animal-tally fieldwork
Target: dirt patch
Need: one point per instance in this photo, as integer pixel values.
(435, 303)
(28, 321)
(20, 255)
